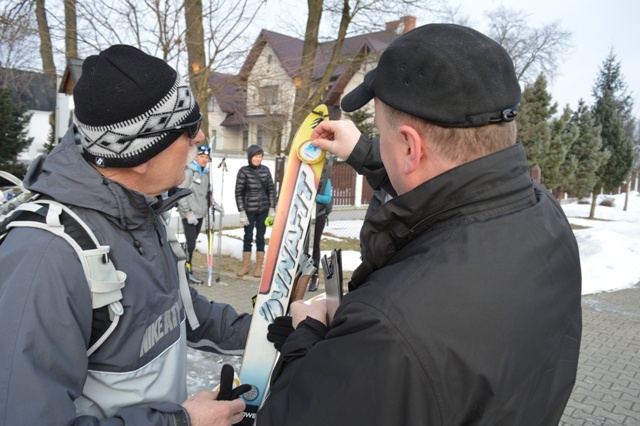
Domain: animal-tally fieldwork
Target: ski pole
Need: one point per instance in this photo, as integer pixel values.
(222, 164)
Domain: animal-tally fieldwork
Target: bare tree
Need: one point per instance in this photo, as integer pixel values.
(46, 48)
(71, 29)
(534, 51)
(350, 17)
(198, 73)
(18, 35)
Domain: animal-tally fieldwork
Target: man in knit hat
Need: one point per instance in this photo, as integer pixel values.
(136, 128)
(466, 308)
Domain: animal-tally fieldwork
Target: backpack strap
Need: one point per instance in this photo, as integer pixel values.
(104, 280)
(185, 294)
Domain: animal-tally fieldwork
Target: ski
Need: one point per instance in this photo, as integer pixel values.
(296, 203)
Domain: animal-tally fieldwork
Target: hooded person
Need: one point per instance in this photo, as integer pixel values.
(256, 200)
(135, 129)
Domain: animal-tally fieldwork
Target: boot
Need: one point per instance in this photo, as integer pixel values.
(192, 278)
(246, 264)
(259, 260)
(313, 283)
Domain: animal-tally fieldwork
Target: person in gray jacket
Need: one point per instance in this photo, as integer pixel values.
(136, 128)
(194, 208)
(466, 307)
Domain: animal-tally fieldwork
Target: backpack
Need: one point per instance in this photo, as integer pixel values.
(21, 208)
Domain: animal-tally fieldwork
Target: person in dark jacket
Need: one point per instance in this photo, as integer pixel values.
(135, 129)
(466, 307)
(256, 200)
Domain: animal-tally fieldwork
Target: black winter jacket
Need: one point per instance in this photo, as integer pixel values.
(251, 196)
(465, 310)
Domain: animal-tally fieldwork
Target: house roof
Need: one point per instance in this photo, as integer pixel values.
(71, 75)
(289, 51)
(34, 89)
(230, 97)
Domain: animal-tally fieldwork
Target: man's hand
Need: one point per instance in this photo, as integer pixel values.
(192, 219)
(227, 391)
(217, 207)
(244, 220)
(279, 330)
(204, 410)
(316, 310)
(339, 137)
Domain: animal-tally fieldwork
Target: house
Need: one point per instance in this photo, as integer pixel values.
(71, 75)
(38, 92)
(255, 106)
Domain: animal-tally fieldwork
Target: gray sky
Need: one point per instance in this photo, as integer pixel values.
(597, 26)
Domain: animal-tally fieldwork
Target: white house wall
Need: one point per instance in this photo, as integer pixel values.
(222, 141)
(269, 73)
(358, 78)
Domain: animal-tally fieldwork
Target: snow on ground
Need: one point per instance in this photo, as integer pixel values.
(609, 246)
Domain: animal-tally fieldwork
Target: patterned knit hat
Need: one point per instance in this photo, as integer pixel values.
(122, 93)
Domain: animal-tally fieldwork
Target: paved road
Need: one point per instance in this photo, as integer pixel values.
(607, 392)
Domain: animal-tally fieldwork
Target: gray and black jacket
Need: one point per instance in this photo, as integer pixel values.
(138, 376)
(465, 310)
(197, 180)
(255, 194)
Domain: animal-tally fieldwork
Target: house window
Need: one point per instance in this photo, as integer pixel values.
(214, 138)
(212, 103)
(245, 139)
(259, 137)
(269, 95)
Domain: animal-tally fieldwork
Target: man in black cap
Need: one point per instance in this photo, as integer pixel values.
(136, 128)
(466, 307)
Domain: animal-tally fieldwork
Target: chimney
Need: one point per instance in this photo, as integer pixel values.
(402, 25)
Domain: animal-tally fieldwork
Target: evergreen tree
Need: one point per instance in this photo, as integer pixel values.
(613, 106)
(51, 140)
(363, 120)
(14, 124)
(559, 168)
(586, 152)
(534, 131)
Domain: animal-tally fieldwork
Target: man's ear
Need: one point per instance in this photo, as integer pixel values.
(141, 169)
(413, 149)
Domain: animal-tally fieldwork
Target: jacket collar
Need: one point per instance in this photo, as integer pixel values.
(499, 179)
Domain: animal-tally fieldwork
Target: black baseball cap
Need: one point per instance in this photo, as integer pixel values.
(447, 74)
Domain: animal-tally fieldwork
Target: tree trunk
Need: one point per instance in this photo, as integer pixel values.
(305, 99)
(303, 84)
(594, 200)
(46, 50)
(71, 29)
(198, 70)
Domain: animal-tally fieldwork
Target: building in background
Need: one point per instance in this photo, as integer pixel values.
(255, 106)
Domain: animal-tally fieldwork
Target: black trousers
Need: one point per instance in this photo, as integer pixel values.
(191, 235)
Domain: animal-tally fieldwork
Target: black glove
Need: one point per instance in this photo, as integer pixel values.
(226, 392)
(279, 330)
